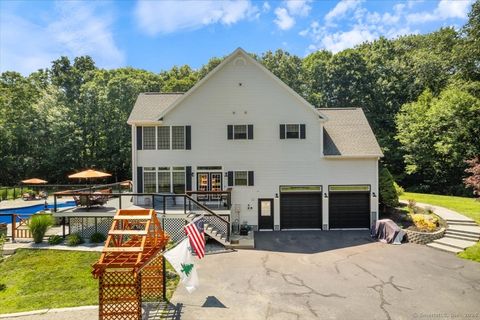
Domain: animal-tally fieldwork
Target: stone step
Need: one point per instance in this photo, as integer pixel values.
(465, 229)
(460, 220)
(442, 247)
(462, 234)
(463, 223)
(455, 243)
(461, 237)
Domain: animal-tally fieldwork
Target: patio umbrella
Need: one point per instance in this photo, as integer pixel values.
(89, 174)
(34, 181)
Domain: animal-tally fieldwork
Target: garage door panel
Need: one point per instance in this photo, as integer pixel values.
(349, 210)
(300, 211)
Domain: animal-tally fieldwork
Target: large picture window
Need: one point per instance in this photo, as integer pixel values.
(149, 141)
(178, 137)
(163, 138)
(149, 180)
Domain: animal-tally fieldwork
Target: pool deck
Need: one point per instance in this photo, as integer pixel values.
(19, 203)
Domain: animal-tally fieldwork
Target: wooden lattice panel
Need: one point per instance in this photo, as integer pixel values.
(120, 295)
(131, 265)
(152, 280)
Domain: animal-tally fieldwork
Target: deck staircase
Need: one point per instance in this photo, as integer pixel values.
(211, 229)
(216, 227)
(460, 235)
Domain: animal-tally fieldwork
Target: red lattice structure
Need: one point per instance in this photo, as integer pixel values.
(131, 267)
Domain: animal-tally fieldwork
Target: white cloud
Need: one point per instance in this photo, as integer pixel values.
(349, 23)
(266, 7)
(285, 14)
(298, 7)
(341, 9)
(71, 29)
(283, 20)
(162, 17)
(446, 9)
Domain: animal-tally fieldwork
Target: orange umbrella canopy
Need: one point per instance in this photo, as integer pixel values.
(34, 181)
(89, 174)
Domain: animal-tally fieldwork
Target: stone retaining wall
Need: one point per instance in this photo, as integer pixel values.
(423, 237)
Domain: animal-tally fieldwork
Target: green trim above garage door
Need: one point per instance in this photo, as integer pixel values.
(348, 188)
(300, 188)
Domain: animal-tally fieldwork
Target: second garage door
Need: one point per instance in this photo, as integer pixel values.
(301, 211)
(349, 210)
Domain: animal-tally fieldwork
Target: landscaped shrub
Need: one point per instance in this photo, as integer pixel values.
(398, 189)
(39, 224)
(425, 222)
(55, 239)
(97, 237)
(74, 239)
(388, 194)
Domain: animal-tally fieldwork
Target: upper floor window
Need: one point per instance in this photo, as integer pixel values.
(292, 131)
(163, 138)
(149, 140)
(178, 137)
(240, 132)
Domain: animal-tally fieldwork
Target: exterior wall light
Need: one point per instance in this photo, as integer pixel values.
(374, 195)
(325, 195)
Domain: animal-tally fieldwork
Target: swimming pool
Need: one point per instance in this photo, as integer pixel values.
(28, 211)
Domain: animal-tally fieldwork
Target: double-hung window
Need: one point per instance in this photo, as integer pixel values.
(240, 178)
(178, 180)
(163, 138)
(292, 131)
(149, 141)
(164, 179)
(149, 180)
(240, 132)
(178, 137)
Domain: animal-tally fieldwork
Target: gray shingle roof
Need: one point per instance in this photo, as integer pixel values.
(150, 104)
(348, 133)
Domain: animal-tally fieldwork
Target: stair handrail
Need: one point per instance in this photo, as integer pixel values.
(211, 212)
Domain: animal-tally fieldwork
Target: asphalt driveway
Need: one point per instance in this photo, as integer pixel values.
(332, 275)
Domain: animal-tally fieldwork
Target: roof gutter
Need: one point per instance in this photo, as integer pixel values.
(145, 122)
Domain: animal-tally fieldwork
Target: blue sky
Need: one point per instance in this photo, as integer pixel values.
(156, 35)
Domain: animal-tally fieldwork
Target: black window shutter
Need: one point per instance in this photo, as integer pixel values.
(230, 178)
(282, 131)
(188, 137)
(139, 180)
(139, 138)
(188, 178)
(250, 178)
(302, 131)
(229, 132)
(250, 131)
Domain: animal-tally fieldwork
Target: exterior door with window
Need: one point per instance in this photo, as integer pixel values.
(265, 214)
(209, 181)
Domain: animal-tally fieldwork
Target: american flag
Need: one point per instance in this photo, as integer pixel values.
(195, 233)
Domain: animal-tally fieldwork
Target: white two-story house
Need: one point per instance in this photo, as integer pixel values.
(287, 164)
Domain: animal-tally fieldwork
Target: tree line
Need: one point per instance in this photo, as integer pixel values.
(420, 93)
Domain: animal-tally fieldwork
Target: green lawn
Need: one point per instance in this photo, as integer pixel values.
(471, 253)
(40, 279)
(466, 206)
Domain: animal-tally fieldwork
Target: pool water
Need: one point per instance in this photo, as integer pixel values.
(28, 211)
